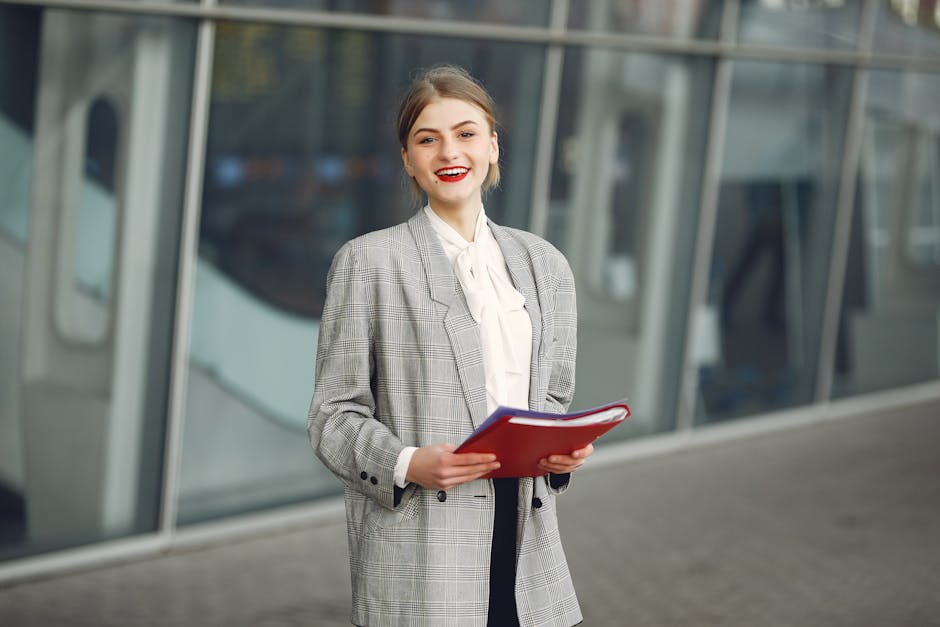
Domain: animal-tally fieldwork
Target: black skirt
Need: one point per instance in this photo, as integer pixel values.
(502, 607)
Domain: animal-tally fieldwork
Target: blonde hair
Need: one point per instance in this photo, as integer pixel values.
(445, 81)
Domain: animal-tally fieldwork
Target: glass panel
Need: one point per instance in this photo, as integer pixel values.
(83, 306)
(889, 331)
(686, 19)
(630, 144)
(303, 156)
(93, 118)
(19, 51)
(908, 27)
(922, 228)
(776, 207)
(829, 24)
(518, 12)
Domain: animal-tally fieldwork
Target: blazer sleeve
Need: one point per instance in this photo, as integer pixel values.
(561, 382)
(342, 424)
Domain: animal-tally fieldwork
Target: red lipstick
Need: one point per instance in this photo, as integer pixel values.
(452, 175)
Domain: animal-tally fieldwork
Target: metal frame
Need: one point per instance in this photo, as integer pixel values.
(772, 422)
(724, 47)
(845, 209)
(545, 142)
(186, 272)
(707, 219)
(555, 37)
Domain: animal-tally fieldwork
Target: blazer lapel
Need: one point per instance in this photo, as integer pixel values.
(520, 269)
(462, 329)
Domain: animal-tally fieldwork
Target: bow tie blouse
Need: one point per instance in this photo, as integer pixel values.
(499, 310)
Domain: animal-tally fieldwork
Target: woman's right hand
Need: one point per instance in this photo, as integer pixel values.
(437, 467)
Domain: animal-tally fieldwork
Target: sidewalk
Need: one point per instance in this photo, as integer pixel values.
(832, 524)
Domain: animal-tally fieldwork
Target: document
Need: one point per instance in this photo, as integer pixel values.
(520, 438)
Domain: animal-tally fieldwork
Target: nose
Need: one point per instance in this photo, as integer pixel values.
(448, 148)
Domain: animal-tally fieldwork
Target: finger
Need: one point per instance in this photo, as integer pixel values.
(559, 468)
(578, 454)
(463, 471)
(463, 459)
(466, 478)
(581, 453)
(471, 459)
(478, 469)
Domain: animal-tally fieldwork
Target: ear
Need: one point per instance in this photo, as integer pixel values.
(407, 163)
(494, 149)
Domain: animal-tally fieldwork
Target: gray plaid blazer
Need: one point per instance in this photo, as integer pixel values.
(400, 363)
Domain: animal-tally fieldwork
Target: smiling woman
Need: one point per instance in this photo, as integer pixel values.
(301, 176)
(427, 327)
(452, 143)
(471, 112)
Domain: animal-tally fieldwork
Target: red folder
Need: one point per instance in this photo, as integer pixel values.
(520, 438)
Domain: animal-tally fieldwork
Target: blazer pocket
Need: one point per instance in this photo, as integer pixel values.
(380, 518)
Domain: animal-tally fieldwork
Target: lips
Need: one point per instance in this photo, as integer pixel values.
(452, 175)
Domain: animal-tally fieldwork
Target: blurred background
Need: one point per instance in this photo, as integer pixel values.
(748, 193)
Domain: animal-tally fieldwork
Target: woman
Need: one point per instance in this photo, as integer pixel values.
(427, 327)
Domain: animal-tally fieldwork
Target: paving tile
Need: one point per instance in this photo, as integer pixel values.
(831, 524)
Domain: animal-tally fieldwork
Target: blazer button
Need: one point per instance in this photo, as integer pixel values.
(441, 496)
(363, 475)
(536, 502)
(373, 480)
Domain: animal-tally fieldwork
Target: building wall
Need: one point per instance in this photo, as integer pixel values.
(748, 194)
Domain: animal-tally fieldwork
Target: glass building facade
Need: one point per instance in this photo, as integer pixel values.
(748, 194)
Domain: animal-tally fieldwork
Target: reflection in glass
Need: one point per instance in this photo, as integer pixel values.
(686, 19)
(890, 324)
(521, 12)
(908, 28)
(303, 156)
(95, 110)
(776, 207)
(19, 30)
(829, 24)
(922, 228)
(83, 306)
(624, 195)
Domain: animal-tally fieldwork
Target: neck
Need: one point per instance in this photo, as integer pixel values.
(463, 220)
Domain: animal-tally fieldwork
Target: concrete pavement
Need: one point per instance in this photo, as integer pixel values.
(832, 524)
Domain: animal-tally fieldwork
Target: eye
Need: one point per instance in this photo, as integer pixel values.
(467, 134)
(425, 140)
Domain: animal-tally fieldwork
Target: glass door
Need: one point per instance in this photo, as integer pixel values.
(93, 117)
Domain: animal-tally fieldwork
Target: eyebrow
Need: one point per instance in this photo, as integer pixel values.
(434, 130)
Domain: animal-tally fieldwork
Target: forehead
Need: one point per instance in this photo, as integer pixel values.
(443, 113)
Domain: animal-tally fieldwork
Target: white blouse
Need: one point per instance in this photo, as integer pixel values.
(497, 307)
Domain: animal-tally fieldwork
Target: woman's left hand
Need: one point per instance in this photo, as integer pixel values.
(561, 464)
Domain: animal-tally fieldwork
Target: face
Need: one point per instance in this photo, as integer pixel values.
(450, 150)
